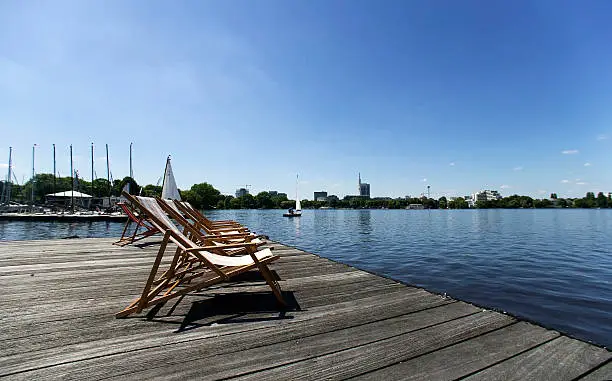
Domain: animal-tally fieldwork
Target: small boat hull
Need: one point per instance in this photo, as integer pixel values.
(292, 215)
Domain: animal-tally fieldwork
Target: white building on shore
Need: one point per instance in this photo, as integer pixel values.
(484, 195)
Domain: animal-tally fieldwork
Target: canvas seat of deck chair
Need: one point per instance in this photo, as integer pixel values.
(193, 267)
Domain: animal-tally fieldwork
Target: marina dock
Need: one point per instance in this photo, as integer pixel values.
(59, 298)
(35, 217)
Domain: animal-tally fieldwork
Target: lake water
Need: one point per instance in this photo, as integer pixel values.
(553, 267)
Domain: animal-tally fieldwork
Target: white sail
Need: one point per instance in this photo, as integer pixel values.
(298, 204)
(169, 189)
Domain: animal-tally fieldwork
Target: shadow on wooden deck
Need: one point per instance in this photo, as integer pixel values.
(229, 308)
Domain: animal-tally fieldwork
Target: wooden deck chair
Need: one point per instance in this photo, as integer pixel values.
(186, 207)
(201, 235)
(183, 215)
(142, 227)
(193, 267)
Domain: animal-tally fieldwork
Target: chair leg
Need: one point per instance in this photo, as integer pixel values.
(267, 274)
(144, 298)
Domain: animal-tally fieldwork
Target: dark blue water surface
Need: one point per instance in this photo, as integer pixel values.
(553, 267)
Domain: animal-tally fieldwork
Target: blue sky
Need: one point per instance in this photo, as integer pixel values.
(461, 96)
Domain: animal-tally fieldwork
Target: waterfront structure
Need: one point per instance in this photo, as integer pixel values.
(416, 206)
(320, 196)
(64, 199)
(486, 195)
(364, 188)
(241, 192)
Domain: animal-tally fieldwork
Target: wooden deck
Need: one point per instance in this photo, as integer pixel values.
(59, 298)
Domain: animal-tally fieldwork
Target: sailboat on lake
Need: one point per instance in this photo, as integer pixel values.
(297, 212)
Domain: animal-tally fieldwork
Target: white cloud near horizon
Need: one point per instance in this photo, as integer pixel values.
(519, 168)
(569, 151)
(424, 180)
(3, 165)
(587, 164)
(602, 137)
(581, 183)
(505, 186)
(452, 164)
(564, 181)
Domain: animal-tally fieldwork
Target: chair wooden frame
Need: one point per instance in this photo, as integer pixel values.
(140, 221)
(202, 235)
(193, 267)
(221, 225)
(184, 216)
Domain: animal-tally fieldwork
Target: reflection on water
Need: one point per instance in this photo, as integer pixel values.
(551, 266)
(364, 222)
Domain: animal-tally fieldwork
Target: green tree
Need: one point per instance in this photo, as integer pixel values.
(101, 188)
(227, 201)
(580, 203)
(602, 201)
(202, 196)
(278, 199)
(134, 188)
(264, 200)
(287, 204)
(151, 190)
(247, 201)
(442, 202)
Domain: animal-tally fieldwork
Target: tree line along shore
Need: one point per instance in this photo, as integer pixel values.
(205, 196)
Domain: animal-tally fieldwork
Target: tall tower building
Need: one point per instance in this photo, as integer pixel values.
(364, 188)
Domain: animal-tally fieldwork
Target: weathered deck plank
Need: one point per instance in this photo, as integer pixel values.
(462, 359)
(558, 360)
(603, 373)
(59, 297)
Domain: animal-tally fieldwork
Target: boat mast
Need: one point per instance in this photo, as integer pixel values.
(131, 171)
(71, 182)
(54, 169)
(165, 172)
(33, 173)
(92, 169)
(8, 184)
(297, 177)
(110, 186)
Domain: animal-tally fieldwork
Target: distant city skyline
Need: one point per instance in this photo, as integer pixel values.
(459, 96)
